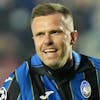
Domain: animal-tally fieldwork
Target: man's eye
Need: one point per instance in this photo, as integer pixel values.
(40, 34)
(56, 32)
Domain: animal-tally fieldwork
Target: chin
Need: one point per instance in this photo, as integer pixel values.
(51, 65)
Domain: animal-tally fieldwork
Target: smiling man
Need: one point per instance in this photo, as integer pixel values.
(55, 72)
(53, 41)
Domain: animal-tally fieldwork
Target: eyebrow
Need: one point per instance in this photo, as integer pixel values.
(56, 30)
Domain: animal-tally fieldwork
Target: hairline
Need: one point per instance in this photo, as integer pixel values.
(52, 10)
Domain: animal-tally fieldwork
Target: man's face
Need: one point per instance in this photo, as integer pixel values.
(52, 40)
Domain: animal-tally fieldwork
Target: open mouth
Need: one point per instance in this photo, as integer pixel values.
(50, 51)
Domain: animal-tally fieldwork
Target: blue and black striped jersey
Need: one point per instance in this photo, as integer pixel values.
(32, 81)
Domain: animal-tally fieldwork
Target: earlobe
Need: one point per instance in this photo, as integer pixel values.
(74, 36)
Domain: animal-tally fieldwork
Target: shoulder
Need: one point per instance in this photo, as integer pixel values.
(21, 74)
(35, 60)
(95, 62)
(11, 77)
(22, 70)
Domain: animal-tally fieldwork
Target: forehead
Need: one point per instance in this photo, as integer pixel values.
(48, 19)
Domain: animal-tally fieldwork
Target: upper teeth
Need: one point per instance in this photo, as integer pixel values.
(50, 50)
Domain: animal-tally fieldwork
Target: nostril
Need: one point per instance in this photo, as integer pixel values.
(49, 43)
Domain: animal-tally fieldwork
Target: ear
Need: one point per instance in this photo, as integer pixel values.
(74, 36)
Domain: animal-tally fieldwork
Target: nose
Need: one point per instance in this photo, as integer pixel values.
(48, 40)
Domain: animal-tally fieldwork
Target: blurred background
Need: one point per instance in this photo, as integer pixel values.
(16, 43)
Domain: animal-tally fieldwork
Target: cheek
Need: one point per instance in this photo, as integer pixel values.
(64, 46)
(37, 44)
(61, 43)
(67, 39)
(66, 43)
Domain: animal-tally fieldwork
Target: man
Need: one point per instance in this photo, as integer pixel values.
(55, 72)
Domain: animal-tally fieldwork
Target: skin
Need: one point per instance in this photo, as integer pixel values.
(53, 40)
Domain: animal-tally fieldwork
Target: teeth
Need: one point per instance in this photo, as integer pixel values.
(50, 50)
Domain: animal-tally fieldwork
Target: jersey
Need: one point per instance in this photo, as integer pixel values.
(31, 81)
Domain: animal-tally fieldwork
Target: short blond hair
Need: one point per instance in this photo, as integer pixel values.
(52, 8)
